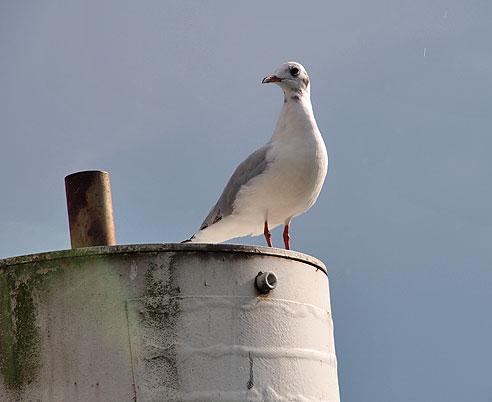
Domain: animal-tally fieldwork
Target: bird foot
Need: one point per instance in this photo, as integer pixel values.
(286, 237)
(268, 235)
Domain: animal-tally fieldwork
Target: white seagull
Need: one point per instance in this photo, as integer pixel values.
(280, 180)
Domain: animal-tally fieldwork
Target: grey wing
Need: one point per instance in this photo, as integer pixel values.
(252, 166)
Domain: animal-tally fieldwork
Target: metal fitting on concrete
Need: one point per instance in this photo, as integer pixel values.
(266, 281)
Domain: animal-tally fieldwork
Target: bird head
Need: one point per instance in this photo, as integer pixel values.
(291, 77)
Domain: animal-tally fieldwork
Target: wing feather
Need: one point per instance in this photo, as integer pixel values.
(254, 165)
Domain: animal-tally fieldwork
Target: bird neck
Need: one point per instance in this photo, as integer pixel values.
(296, 95)
(296, 117)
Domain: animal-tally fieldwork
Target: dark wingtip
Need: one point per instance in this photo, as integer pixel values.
(188, 240)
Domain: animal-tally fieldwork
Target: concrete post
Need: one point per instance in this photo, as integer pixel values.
(166, 323)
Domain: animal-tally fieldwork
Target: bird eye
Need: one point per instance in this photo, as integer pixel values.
(294, 71)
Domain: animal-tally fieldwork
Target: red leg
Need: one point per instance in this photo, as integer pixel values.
(286, 237)
(268, 235)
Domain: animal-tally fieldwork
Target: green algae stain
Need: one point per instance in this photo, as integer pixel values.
(19, 334)
(161, 296)
(159, 320)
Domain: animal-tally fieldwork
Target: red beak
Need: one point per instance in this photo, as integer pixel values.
(271, 78)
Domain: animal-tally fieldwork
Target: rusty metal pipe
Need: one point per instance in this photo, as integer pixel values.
(90, 209)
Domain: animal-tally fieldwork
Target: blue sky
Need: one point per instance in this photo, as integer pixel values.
(167, 97)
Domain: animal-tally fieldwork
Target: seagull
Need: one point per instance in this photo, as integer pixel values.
(280, 180)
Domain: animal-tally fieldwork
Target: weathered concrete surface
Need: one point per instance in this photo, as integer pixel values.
(169, 322)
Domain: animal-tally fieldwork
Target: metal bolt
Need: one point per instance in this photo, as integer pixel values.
(266, 281)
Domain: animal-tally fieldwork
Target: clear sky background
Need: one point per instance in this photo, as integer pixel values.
(167, 97)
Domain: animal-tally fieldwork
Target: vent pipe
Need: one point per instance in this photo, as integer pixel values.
(90, 209)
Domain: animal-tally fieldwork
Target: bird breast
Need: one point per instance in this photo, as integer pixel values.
(292, 182)
(301, 168)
